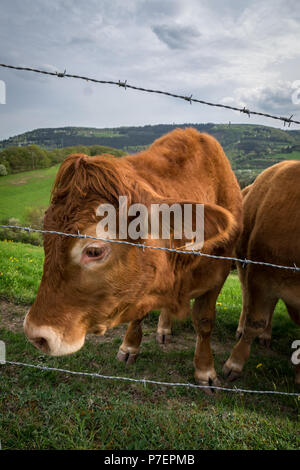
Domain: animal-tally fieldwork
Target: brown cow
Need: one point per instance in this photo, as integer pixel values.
(89, 286)
(271, 234)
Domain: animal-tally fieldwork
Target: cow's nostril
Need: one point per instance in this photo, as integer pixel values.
(41, 343)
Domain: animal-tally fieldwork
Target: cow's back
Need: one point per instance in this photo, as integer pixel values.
(272, 216)
(189, 165)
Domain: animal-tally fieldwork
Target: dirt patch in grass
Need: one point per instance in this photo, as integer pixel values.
(110, 335)
(12, 315)
(12, 318)
(19, 182)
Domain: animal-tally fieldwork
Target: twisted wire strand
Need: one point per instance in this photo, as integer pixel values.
(153, 382)
(143, 246)
(125, 85)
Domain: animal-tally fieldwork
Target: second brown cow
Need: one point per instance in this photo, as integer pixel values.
(271, 234)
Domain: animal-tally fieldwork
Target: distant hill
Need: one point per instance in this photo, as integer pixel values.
(124, 138)
(250, 148)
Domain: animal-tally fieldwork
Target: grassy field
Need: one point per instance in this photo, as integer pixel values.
(295, 155)
(53, 410)
(20, 271)
(32, 189)
(27, 189)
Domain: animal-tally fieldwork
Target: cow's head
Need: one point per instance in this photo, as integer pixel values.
(91, 285)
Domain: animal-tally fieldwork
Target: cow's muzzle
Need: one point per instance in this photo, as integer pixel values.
(49, 340)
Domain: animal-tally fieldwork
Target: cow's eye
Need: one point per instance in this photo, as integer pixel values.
(94, 251)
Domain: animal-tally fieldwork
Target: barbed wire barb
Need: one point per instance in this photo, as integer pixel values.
(288, 120)
(246, 111)
(61, 74)
(189, 99)
(122, 84)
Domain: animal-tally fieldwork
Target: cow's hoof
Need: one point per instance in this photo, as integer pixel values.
(163, 338)
(265, 342)
(127, 357)
(230, 374)
(208, 386)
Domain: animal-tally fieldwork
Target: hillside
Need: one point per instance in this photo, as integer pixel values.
(21, 191)
(250, 148)
(259, 144)
(25, 195)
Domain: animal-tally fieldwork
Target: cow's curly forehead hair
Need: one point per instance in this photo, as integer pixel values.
(81, 184)
(81, 177)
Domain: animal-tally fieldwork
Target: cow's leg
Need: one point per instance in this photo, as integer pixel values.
(242, 272)
(164, 331)
(295, 316)
(265, 337)
(204, 313)
(294, 313)
(242, 319)
(259, 305)
(130, 346)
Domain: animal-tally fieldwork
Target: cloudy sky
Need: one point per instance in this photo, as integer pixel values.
(239, 52)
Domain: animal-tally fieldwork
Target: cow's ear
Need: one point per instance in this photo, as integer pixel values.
(219, 225)
(193, 226)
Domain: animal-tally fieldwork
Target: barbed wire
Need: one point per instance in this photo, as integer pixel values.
(143, 246)
(154, 382)
(125, 85)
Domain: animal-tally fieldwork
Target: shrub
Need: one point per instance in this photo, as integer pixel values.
(34, 216)
(19, 235)
(3, 170)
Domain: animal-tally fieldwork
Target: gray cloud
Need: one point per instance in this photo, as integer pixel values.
(240, 49)
(275, 99)
(80, 40)
(176, 36)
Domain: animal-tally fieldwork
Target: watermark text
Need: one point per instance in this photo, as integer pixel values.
(161, 221)
(2, 92)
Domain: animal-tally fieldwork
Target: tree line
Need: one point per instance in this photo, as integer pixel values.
(15, 159)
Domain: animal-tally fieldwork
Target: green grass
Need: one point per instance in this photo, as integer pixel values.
(52, 410)
(295, 155)
(27, 189)
(20, 271)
